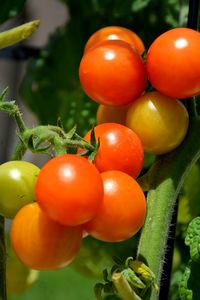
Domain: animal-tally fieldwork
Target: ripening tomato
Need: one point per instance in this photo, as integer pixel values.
(120, 149)
(160, 122)
(173, 63)
(123, 210)
(17, 186)
(112, 73)
(115, 33)
(69, 189)
(111, 114)
(41, 243)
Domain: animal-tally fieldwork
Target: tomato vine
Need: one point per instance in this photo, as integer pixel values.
(163, 182)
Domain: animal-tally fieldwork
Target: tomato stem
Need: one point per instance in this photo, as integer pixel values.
(17, 34)
(19, 151)
(165, 177)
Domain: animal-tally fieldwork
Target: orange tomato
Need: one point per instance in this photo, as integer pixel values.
(41, 243)
(115, 33)
(123, 210)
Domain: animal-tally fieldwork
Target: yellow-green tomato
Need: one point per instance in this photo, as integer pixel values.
(160, 122)
(17, 186)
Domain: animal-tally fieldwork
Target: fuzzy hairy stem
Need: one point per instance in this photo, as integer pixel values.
(165, 179)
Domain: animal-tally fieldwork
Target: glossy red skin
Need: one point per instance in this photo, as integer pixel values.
(41, 243)
(173, 63)
(69, 189)
(112, 73)
(123, 210)
(115, 33)
(120, 149)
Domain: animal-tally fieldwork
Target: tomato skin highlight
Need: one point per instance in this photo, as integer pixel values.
(69, 189)
(112, 73)
(173, 63)
(115, 33)
(120, 149)
(123, 210)
(17, 186)
(41, 243)
(160, 122)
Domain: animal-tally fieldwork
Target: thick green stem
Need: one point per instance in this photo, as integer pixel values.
(12, 109)
(2, 261)
(165, 180)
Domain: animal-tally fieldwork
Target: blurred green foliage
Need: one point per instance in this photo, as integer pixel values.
(51, 86)
(10, 8)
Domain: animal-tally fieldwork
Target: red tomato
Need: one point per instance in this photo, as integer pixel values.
(173, 63)
(123, 210)
(115, 33)
(112, 73)
(111, 114)
(69, 189)
(120, 149)
(41, 243)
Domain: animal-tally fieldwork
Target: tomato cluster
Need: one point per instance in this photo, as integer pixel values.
(53, 208)
(73, 196)
(113, 73)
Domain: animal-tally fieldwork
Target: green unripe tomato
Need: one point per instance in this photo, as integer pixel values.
(17, 186)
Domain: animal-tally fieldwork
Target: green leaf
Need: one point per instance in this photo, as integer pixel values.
(189, 200)
(184, 292)
(10, 9)
(189, 288)
(52, 89)
(139, 4)
(193, 239)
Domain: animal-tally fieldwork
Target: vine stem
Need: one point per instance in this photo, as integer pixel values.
(165, 179)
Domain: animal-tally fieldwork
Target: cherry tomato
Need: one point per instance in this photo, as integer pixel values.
(120, 149)
(123, 210)
(160, 122)
(111, 114)
(173, 63)
(112, 73)
(115, 33)
(69, 189)
(17, 186)
(41, 243)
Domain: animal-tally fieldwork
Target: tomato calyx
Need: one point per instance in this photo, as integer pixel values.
(95, 142)
(46, 139)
